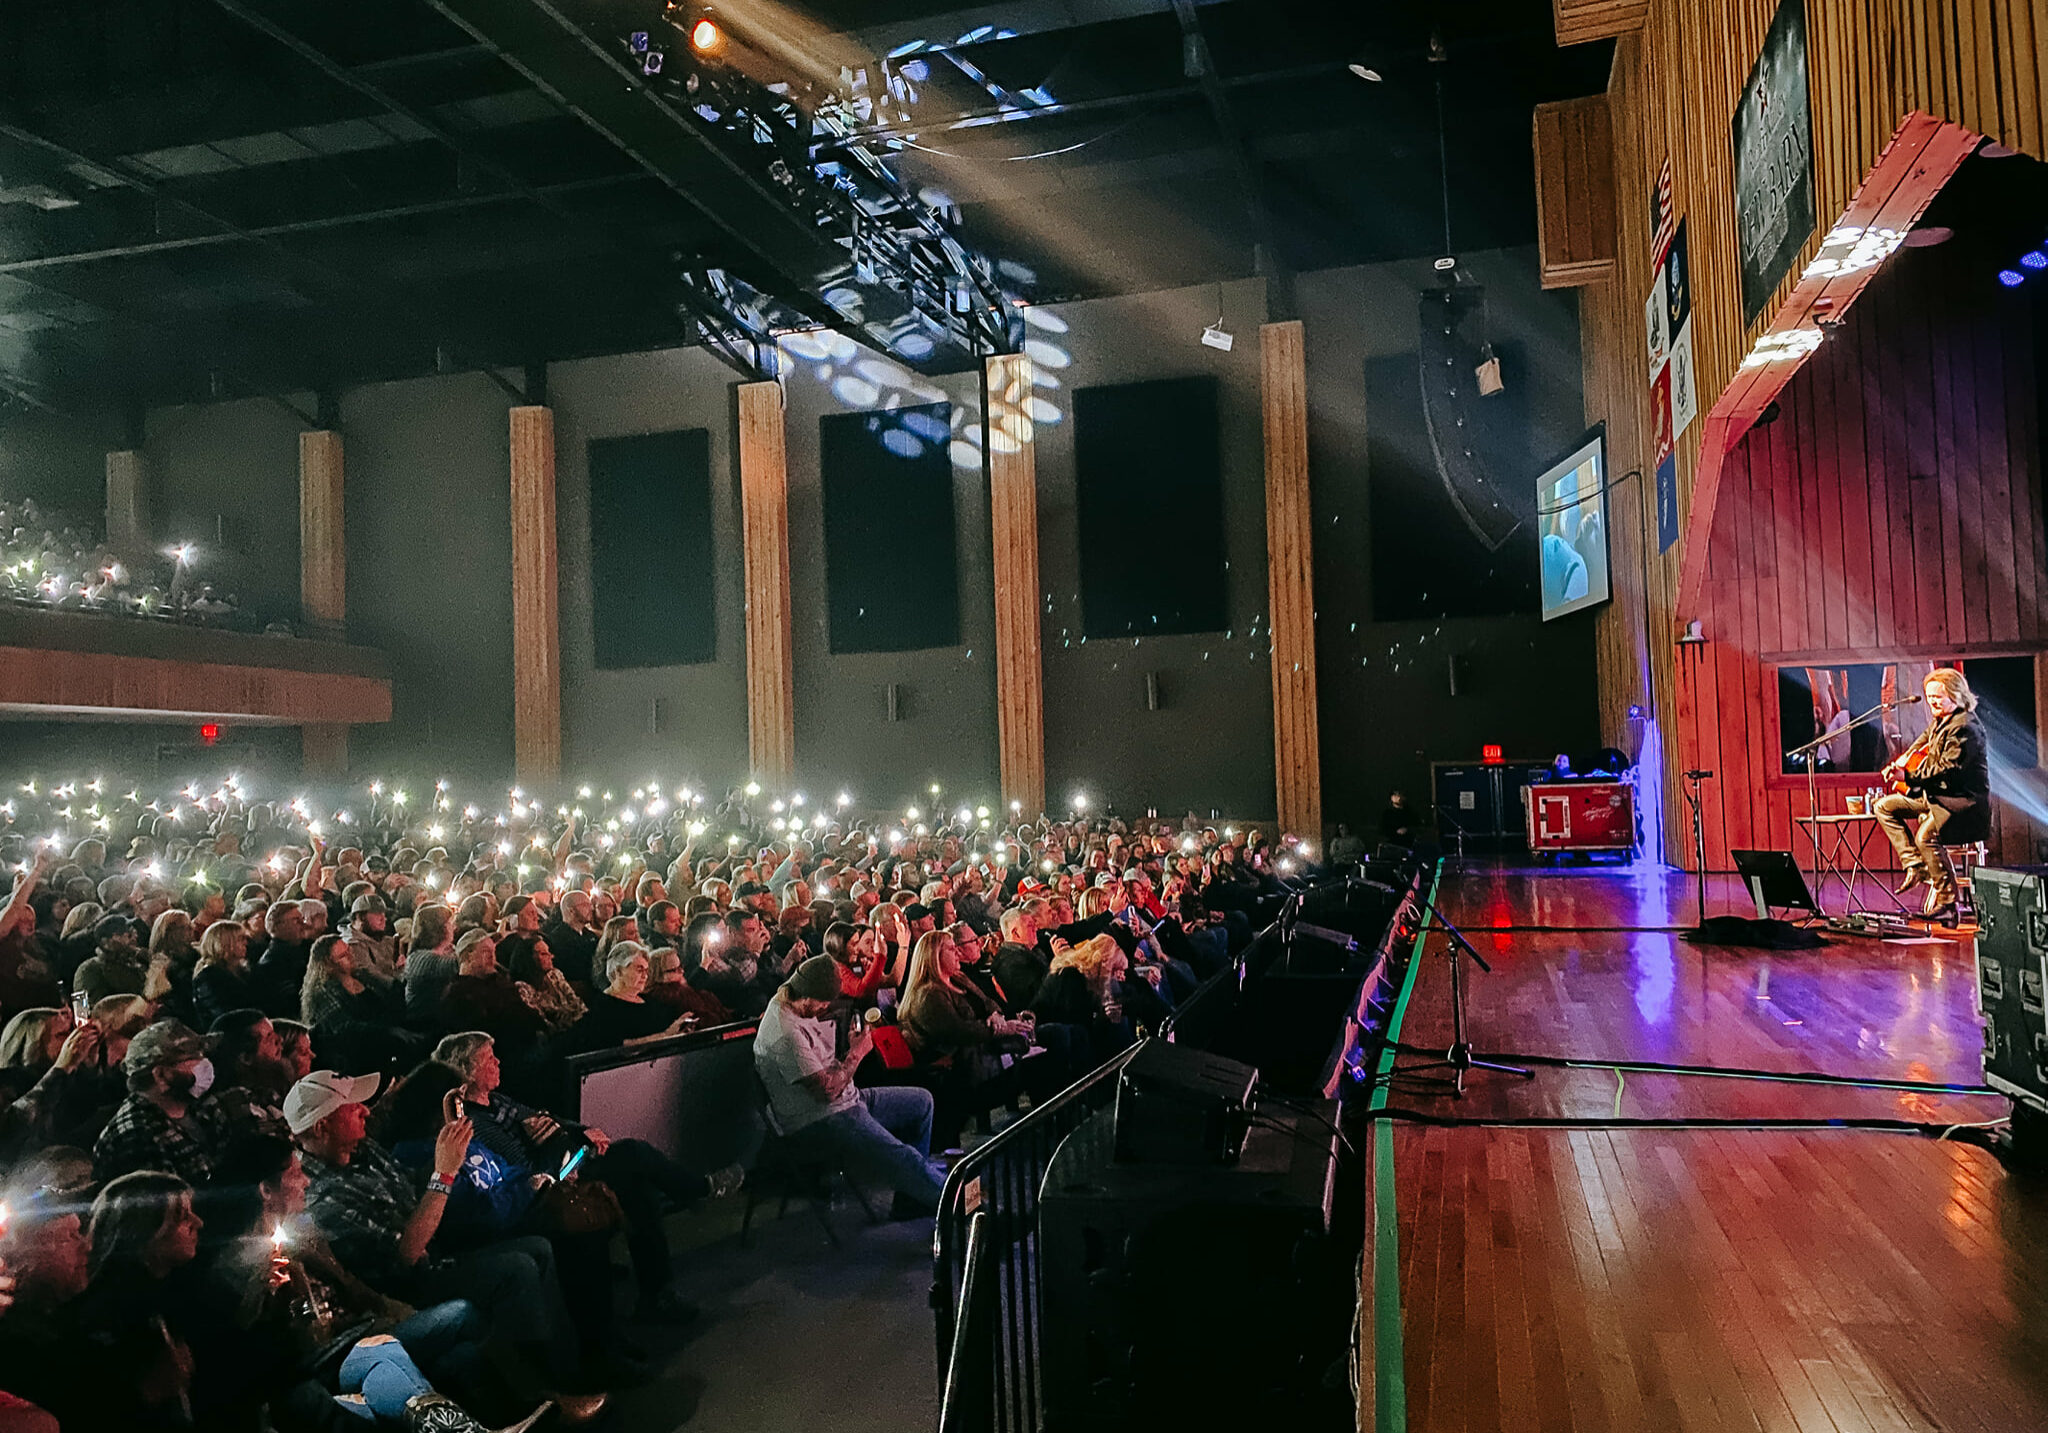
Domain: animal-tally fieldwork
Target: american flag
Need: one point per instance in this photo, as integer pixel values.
(1660, 214)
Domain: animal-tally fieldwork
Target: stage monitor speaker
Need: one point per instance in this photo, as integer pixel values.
(1183, 1297)
(1179, 1105)
(1774, 881)
(2012, 981)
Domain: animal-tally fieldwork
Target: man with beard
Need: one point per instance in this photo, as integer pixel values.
(248, 1052)
(166, 1123)
(573, 938)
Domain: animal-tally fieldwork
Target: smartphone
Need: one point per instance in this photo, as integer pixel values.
(569, 1165)
(81, 1006)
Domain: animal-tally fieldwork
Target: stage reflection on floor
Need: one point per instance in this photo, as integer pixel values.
(1633, 1278)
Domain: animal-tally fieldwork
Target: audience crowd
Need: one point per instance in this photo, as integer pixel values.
(53, 560)
(280, 1080)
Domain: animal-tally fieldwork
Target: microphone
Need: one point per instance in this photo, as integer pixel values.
(1699, 776)
(1908, 701)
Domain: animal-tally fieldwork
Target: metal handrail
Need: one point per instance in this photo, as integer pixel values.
(968, 1386)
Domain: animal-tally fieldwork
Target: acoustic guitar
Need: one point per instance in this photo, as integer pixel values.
(1907, 770)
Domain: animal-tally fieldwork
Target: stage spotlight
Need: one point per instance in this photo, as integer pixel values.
(2034, 260)
(705, 36)
(1364, 71)
(2011, 278)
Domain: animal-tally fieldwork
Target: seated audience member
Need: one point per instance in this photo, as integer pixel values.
(370, 937)
(355, 1022)
(137, 1311)
(295, 1041)
(1086, 988)
(1018, 968)
(431, 962)
(281, 968)
(380, 1227)
(253, 1076)
(483, 997)
(640, 1175)
(119, 968)
(222, 980)
(26, 979)
(945, 1020)
(530, 961)
(492, 1198)
(666, 986)
(620, 1014)
(48, 1355)
(572, 936)
(878, 1135)
(166, 1123)
(29, 1046)
(281, 1323)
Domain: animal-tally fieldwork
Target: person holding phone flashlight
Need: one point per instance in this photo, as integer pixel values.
(645, 1180)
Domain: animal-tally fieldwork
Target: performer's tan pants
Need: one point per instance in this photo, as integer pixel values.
(1913, 825)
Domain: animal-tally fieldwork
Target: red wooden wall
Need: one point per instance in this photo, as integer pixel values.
(1893, 509)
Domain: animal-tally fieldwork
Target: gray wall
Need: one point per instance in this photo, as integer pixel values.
(225, 478)
(1210, 744)
(429, 553)
(607, 716)
(1385, 704)
(59, 460)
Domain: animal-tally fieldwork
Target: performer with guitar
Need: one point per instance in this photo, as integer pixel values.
(1944, 773)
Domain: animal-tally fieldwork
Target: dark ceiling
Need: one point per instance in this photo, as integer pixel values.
(211, 198)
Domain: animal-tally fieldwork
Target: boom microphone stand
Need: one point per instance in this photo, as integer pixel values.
(1699, 841)
(1459, 1058)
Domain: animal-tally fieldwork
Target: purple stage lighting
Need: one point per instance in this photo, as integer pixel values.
(2011, 278)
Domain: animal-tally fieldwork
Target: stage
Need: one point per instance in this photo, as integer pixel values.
(1624, 1278)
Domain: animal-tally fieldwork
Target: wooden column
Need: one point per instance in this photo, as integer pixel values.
(536, 634)
(323, 550)
(1290, 579)
(128, 504)
(1013, 517)
(323, 750)
(764, 523)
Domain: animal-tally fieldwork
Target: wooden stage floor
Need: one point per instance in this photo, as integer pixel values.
(1615, 1278)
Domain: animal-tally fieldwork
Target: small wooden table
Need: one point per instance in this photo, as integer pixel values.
(1838, 839)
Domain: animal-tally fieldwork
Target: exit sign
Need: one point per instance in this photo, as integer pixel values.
(209, 732)
(1490, 754)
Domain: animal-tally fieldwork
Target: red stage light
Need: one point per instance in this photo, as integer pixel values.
(1490, 754)
(209, 732)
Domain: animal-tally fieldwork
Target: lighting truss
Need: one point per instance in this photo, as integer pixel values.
(906, 286)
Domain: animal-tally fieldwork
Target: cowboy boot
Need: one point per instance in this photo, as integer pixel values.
(1916, 874)
(438, 1413)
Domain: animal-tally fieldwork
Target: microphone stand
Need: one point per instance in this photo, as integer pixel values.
(1699, 842)
(1807, 751)
(1459, 1058)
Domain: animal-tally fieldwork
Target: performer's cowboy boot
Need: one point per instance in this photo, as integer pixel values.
(1916, 873)
(1941, 900)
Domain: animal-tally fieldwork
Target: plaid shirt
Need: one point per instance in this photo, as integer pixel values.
(362, 1208)
(142, 1136)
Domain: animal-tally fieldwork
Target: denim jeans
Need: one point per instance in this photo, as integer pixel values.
(383, 1373)
(642, 1176)
(885, 1139)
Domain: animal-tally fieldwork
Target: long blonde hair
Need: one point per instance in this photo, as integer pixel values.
(1091, 957)
(222, 943)
(925, 967)
(1955, 684)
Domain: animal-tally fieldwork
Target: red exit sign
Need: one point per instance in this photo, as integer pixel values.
(1490, 754)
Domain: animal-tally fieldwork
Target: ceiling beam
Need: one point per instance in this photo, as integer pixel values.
(452, 204)
(945, 29)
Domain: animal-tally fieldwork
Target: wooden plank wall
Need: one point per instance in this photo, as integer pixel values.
(536, 631)
(128, 503)
(1013, 519)
(764, 540)
(1891, 509)
(41, 680)
(1581, 20)
(323, 549)
(1574, 192)
(1672, 93)
(1290, 578)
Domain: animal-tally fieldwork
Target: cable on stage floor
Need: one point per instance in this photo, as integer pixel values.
(1720, 1072)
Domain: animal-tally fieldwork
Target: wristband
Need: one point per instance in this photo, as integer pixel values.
(438, 1183)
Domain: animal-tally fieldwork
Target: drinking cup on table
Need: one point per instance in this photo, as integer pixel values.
(1855, 805)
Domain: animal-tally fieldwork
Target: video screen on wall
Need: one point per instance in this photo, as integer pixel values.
(1571, 518)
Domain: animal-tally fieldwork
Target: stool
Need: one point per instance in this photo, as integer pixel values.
(781, 1170)
(1961, 862)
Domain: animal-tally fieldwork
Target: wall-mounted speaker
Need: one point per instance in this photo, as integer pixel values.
(657, 715)
(894, 698)
(1151, 691)
(1455, 667)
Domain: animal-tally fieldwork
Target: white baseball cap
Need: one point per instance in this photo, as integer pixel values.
(323, 1092)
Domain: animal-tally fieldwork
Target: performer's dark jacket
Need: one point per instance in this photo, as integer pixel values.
(1956, 773)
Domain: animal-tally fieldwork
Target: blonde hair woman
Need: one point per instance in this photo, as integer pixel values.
(222, 981)
(943, 1015)
(1942, 790)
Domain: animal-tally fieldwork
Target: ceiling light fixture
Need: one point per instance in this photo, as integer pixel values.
(1365, 71)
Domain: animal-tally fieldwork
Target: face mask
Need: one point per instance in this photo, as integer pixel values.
(202, 1077)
